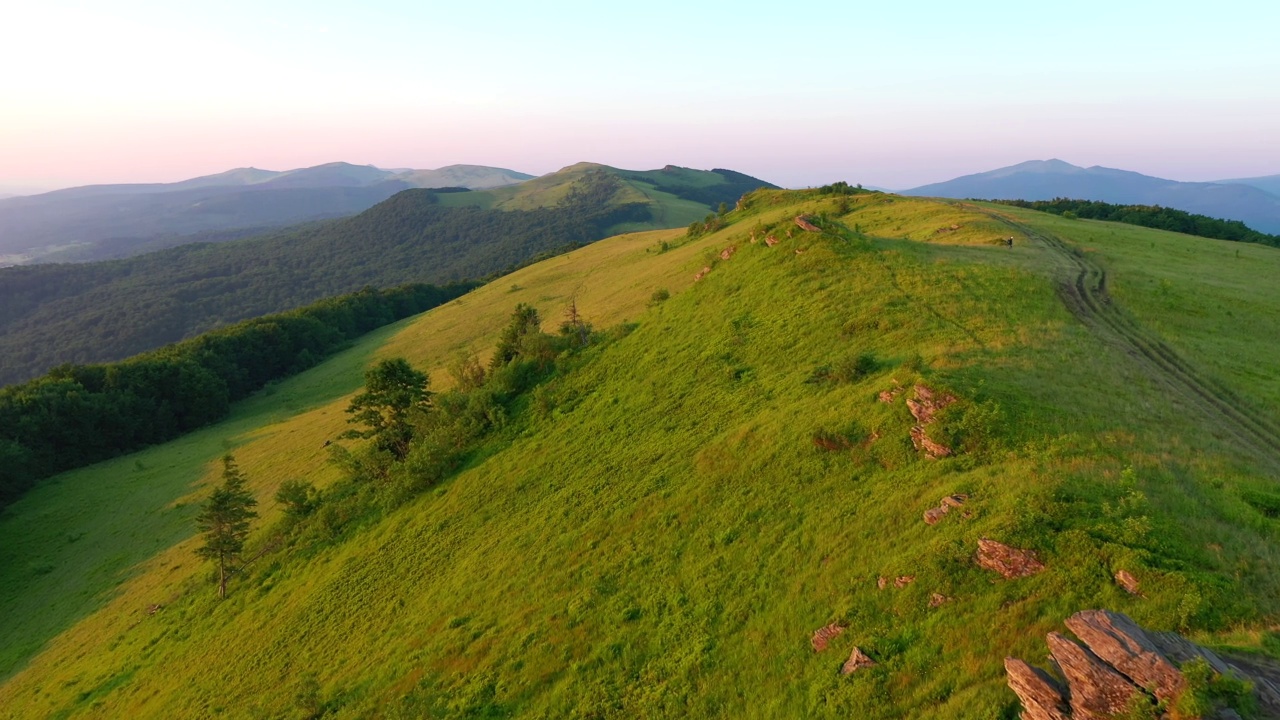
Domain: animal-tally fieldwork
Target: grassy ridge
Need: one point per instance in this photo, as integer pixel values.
(656, 533)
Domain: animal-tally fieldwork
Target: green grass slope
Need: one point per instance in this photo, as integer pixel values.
(655, 531)
(672, 196)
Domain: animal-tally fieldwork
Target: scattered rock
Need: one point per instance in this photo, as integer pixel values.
(823, 635)
(800, 251)
(1042, 697)
(1010, 562)
(702, 273)
(804, 224)
(933, 515)
(921, 440)
(1097, 691)
(882, 582)
(1123, 645)
(888, 396)
(788, 232)
(153, 609)
(857, 660)
(771, 241)
(728, 252)
(924, 406)
(927, 403)
(903, 581)
(938, 600)
(1127, 581)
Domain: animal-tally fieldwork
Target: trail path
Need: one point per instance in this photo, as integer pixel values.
(1082, 284)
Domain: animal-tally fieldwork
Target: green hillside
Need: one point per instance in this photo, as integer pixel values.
(672, 196)
(655, 524)
(99, 312)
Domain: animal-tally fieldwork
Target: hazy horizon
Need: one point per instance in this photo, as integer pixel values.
(876, 94)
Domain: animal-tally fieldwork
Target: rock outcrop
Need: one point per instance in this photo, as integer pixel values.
(822, 636)
(924, 406)
(1115, 667)
(857, 660)
(1042, 697)
(933, 515)
(1125, 646)
(1126, 580)
(1097, 691)
(804, 224)
(1010, 562)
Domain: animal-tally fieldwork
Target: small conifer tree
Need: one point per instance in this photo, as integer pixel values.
(224, 520)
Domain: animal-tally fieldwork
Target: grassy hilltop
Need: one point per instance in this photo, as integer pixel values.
(663, 521)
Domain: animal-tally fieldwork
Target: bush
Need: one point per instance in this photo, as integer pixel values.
(299, 498)
(1264, 502)
(850, 369)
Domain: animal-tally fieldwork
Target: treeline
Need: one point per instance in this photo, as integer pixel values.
(80, 414)
(1151, 216)
(101, 312)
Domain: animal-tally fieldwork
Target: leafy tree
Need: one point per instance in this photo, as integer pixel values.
(224, 520)
(394, 392)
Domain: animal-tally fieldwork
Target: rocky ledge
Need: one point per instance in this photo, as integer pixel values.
(1118, 667)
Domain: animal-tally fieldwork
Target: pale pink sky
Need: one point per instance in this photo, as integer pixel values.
(141, 91)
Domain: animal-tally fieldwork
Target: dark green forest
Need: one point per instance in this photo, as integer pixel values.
(1151, 216)
(80, 414)
(101, 312)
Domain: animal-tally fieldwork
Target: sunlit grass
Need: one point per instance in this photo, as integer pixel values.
(656, 534)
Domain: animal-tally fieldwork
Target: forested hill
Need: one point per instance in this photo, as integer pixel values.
(100, 312)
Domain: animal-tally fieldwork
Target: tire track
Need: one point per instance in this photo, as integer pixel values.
(1082, 285)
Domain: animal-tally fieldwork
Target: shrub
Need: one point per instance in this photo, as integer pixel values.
(1264, 502)
(299, 498)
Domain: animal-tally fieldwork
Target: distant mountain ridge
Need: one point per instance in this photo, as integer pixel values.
(74, 223)
(1049, 179)
(1266, 183)
(102, 311)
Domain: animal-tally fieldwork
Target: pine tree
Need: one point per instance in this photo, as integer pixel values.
(224, 520)
(393, 393)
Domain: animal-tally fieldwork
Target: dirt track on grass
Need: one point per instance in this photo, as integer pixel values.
(1082, 285)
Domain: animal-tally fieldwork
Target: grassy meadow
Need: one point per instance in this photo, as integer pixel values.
(655, 531)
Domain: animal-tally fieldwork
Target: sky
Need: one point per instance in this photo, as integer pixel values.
(882, 93)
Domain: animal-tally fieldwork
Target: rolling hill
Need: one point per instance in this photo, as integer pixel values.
(1049, 179)
(656, 523)
(96, 312)
(106, 221)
